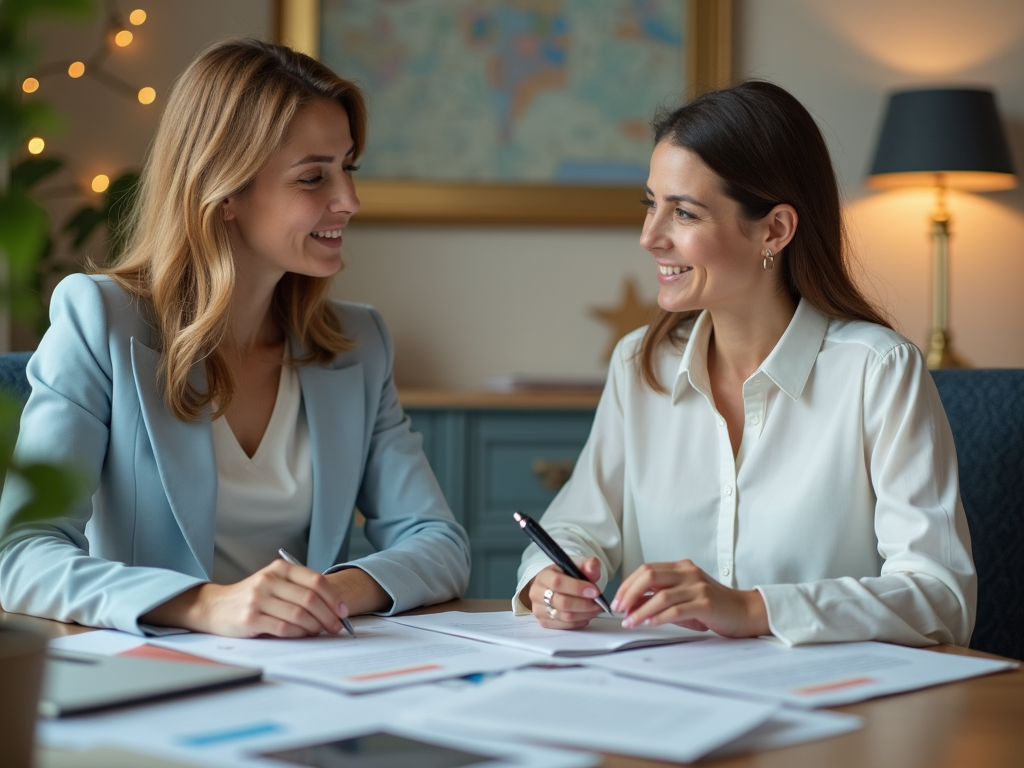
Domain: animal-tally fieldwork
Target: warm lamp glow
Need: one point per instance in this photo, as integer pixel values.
(100, 183)
(36, 145)
(938, 37)
(969, 181)
(123, 38)
(77, 69)
(30, 85)
(137, 17)
(147, 95)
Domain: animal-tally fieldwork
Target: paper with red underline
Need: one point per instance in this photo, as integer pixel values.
(806, 676)
(382, 655)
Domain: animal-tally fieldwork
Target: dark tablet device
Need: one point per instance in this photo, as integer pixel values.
(381, 750)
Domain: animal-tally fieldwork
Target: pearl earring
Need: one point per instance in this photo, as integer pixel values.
(769, 260)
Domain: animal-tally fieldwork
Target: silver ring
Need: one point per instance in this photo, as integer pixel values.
(552, 612)
(548, 594)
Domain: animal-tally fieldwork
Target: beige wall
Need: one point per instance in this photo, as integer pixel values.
(465, 304)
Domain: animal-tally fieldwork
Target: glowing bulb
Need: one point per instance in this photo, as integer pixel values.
(147, 95)
(100, 183)
(137, 17)
(36, 145)
(123, 38)
(77, 69)
(31, 85)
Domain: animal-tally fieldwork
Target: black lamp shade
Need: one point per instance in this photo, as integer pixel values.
(948, 136)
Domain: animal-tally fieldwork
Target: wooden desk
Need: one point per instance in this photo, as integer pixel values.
(978, 722)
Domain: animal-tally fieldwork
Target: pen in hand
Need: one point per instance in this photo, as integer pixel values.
(558, 555)
(291, 559)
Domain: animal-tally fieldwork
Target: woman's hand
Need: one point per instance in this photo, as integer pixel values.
(280, 600)
(681, 593)
(570, 604)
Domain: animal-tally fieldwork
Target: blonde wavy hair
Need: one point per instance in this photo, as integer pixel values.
(225, 118)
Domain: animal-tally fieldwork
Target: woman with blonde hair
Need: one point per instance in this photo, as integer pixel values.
(768, 456)
(220, 405)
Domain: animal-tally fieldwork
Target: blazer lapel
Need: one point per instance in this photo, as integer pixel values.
(184, 456)
(335, 411)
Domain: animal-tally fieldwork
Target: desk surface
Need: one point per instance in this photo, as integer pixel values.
(977, 722)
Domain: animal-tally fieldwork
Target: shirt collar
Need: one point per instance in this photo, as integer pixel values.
(789, 364)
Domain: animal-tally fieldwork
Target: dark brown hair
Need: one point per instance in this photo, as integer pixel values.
(766, 149)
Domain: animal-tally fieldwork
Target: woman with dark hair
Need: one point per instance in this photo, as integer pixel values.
(768, 456)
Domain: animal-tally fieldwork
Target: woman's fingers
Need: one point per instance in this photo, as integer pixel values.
(309, 602)
(282, 618)
(651, 577)
(559, 601)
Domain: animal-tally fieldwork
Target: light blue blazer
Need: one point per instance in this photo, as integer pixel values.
(147, 532)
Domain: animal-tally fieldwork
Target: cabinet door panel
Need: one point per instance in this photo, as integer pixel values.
(510, 458)
(494, 569)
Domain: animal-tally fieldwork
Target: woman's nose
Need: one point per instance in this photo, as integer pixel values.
(345, 198)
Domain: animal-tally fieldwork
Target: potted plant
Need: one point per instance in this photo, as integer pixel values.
(24, 239)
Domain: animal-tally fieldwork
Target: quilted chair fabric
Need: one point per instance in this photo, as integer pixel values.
(12, 375)
(986, 411)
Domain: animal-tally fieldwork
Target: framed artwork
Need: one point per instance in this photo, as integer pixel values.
(512, 111)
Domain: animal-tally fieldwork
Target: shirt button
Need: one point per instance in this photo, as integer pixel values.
(728, 490)
(755, 419)
(721, 422)
(726, 571)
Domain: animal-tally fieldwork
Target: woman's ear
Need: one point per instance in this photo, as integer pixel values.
(227, 207)
(781, 223)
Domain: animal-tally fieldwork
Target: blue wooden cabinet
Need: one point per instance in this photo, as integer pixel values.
(494, 454)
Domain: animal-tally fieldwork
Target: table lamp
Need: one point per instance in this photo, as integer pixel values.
(942, 138)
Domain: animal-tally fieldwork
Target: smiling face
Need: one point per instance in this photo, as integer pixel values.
(708, 256)
(291, 217)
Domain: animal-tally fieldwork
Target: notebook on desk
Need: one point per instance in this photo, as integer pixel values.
(82, 682)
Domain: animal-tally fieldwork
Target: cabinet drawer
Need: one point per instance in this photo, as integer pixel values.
(508, 452)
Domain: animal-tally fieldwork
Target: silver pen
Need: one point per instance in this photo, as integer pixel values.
(290, 559)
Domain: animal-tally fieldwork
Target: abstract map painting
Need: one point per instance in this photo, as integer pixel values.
(506, 91)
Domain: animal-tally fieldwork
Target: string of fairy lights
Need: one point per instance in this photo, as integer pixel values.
(117, 34)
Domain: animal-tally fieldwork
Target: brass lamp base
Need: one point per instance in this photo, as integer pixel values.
(940, 355)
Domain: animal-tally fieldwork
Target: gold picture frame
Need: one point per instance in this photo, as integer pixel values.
(417, 202)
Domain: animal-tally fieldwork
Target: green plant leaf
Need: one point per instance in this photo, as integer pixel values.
(20, 120)
(19, 11)
(119, 204)
(54, 491)
(31, 171)
(24, 228)
(83, 222)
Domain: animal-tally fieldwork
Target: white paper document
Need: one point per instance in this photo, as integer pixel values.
(594, 710)
(231, 729)
(602, 635)
(383, 655)
(789, 727)
(102, 642)
(805, 676)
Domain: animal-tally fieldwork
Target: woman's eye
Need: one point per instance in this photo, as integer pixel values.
(311, 179)
(351, 168)
(646, 202)
(682, 213)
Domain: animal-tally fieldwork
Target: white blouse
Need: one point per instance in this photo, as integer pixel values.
(842, 506)
(264, 502)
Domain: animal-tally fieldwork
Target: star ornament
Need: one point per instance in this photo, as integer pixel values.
(630, 314)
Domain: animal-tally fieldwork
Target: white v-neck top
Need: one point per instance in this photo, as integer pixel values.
(264, 502)
(842, 507)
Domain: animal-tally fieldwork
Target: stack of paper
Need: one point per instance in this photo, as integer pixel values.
(665, 693)
(602, 635)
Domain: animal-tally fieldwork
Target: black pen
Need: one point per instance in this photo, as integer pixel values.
(550, 548)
